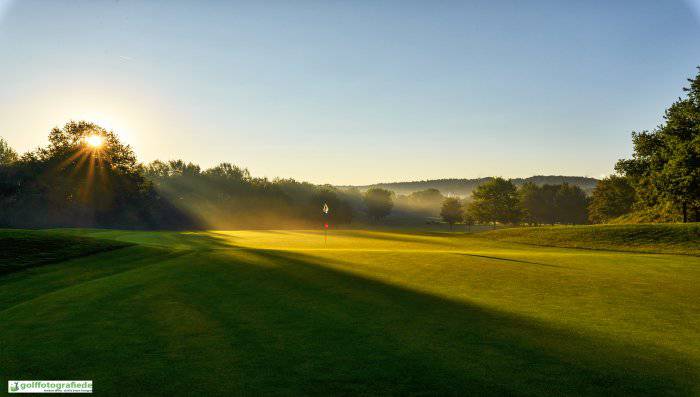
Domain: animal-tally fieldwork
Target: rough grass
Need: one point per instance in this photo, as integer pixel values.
(279, 312)
(20, 249)
(675, 238)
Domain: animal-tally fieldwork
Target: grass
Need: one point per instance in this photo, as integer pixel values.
(21, 249)
(669, 238)
(279, 312)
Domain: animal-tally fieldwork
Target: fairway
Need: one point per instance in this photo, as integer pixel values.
(370, 312)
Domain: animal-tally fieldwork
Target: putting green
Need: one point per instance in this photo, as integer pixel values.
(280, 312)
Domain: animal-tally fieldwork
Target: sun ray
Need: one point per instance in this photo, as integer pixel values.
(89, 179)
(69, 160)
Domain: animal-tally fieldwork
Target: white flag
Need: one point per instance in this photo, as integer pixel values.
(325, 208)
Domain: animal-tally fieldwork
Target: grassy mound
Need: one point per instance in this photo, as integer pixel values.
(21, 249)
(657, 214)
(650, 238)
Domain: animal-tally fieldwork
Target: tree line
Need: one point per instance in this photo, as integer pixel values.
(500, 201)
(70, 183)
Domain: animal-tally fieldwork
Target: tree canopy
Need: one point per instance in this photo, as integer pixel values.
(611, 198)
(496, 201)
(665, 166)
(452, 211)
(70, 183)
(379, 203)
(570, 205)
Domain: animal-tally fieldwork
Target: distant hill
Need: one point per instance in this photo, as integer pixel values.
(464, 187)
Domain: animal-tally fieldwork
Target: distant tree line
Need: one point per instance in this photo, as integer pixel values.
(500, 201)
(464, 187)
(228, 196)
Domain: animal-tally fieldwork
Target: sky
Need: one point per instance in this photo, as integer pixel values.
(352, 92)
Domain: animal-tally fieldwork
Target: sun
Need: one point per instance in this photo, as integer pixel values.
(94, 141)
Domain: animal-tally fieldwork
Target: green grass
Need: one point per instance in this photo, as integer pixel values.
(670, 238)
(279, 312)
(21, 249)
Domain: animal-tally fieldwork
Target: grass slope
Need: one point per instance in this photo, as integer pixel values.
(279, 312)
(651, 238)
(20, 249)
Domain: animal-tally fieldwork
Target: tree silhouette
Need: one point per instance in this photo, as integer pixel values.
(452, 211)
(378, 202)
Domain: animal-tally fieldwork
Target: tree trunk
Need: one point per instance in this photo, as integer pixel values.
(697, 214)
(685, 212)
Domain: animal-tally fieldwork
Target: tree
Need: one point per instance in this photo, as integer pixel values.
(7, 154)
(532, 203)
(452, 211)
(612, 197)
(571, 204)
(69, 141)
(548, 195)
(468, 221)
(428, 200)
(378, 202)
(538, 203)
(227, 171)
(665, 166)
(496, 201)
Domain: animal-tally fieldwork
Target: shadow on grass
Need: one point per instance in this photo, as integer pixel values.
(195, 241)
(23, 249)
(351, 334)
(510, 260)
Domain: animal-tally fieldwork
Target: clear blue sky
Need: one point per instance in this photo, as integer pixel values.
(352, 92)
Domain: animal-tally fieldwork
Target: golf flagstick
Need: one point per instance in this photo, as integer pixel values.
(325, 223)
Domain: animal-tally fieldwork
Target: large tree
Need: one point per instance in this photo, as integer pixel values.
(84, 177)
(571, 204)
(452, 211)
(428, 201)
(469, 220)
(665, 166)
(496, 201)
(533, 204)
(379, 203)
(539, 203)
(612, 197)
